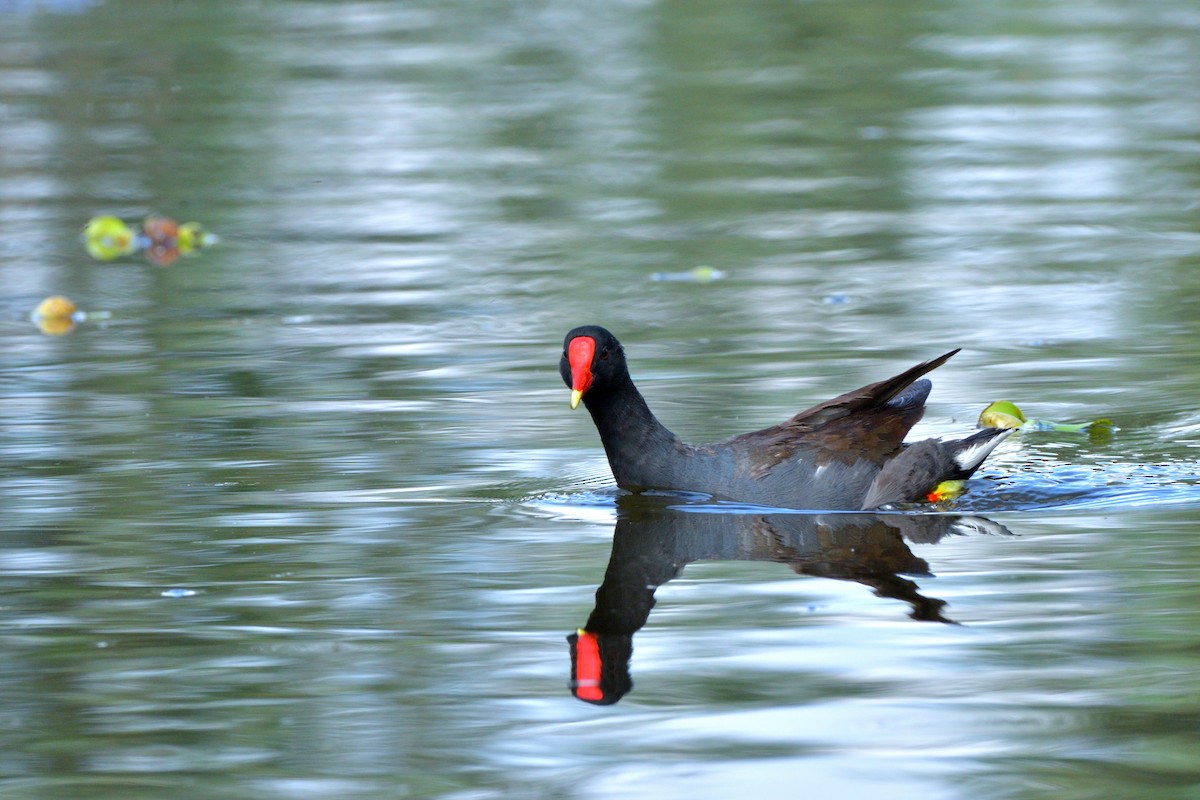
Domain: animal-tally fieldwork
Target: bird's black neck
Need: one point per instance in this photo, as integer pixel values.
(641, 451)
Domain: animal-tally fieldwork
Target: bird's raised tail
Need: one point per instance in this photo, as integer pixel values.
(916, 472)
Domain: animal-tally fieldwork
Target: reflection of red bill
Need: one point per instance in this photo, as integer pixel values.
(588, 667)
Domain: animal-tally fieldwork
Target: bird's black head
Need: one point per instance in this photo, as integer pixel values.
(592, 360)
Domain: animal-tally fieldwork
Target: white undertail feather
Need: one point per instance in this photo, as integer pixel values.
(971, 457)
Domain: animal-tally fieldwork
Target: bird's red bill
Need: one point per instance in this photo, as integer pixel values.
(580, 354)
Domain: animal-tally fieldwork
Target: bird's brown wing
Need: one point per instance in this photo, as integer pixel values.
(867, 423)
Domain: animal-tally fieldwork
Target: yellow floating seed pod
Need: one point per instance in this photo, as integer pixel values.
(193, 237)
(107, 238)
(1001, 414)
(56, 315)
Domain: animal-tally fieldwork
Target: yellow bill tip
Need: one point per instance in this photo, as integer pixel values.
(576, 396)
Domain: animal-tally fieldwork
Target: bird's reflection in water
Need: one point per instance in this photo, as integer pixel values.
(654, 541)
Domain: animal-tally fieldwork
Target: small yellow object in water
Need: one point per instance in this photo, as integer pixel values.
(56, 315)
(192, 237)
(1001, 414)
(107, 238)
(701, 274)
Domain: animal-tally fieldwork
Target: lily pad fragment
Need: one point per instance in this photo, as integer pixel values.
(1004, 414)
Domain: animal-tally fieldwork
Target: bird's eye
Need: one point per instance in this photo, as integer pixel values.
(604, 354)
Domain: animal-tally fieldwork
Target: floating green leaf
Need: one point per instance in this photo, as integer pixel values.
(1004, 414)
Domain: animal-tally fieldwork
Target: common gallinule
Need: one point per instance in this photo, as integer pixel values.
(847, 453)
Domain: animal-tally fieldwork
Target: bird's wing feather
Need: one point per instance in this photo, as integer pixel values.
(870, 422)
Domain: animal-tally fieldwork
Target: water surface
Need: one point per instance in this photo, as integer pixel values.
(306, 515)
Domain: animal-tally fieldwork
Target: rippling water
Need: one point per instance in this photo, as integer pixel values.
(306, 515)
